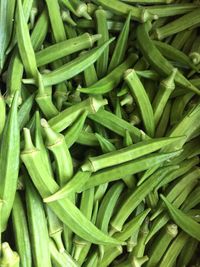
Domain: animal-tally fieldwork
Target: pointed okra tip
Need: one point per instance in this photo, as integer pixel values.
(28, 144)
(8, 257)
(51, 136)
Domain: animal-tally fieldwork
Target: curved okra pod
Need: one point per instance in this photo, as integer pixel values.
(139, 94)
(21, 233)
(55, 18)
(137, 13)
(182, 23)
(165, 89)
(72, 68)
(156, 60)
(121, 45)
(137, 196)
(128, 168)
(161, 244)
(37, 227)
(174, 250)
(9, 258)
(102, 28)
(65, 48)
(66, 211)
(72, 134)
(3, 113)
(55, 142)
(24, 43)
(186, 223)
(126, 154)
(69, 115)
(74, 185)
(9, 154)
(110, 81)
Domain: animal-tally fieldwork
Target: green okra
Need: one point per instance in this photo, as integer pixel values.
(156, 60)
(9, 258)
(105, 144)
(65, 48)
(121, 45)
(71, 215)
(58, 29)
(102, 28)
(71, 68)
(69, 115)
(186, 21)
(161, 244)
(3, 113)
(182, 220)
(37, 227)
(21, 233)
(110, 81)
(174, 250)
(126, 154)
(137, 196)
(138, 92)
(192, 200)
(24, 111)
(9, 154)
(55, 142)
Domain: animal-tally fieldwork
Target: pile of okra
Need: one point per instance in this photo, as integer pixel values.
(99, 133)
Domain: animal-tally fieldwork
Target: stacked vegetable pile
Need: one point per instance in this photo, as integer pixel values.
(99, 133)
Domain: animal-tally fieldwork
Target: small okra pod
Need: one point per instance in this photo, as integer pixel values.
(21, 233)
(55, 142)
(137, 13)
(74, 185)
(40, 30)
(44, 99)
(71, 68)
(66, 211)
(102, 28)
(9, 258)
(131, 202)
(69, 115)
(55, 228)
(121, 45)
(182, 23)
(161, 244)
(174, 250)
(9, 154)
(37, 227)
(128, 168)
(185, 222)
(3, 113)
(73, 132)
(65, 48)
(24, 43)
(143, 102)
(79, 8)
(110, 81)
(126, 154)
(66, 17)
(156, 60)
(55, 18)
(61, 259)
(165, 89)
(187, 252)
(105, 144)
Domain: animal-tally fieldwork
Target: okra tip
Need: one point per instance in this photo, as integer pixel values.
(28, 144)
(51, 136)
